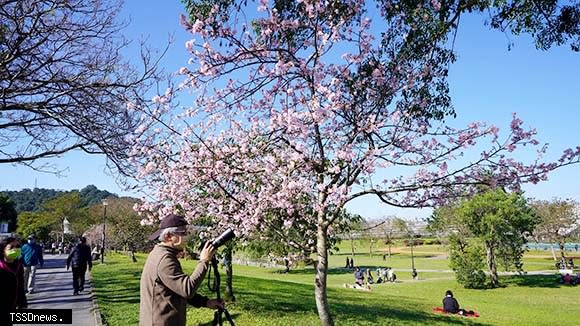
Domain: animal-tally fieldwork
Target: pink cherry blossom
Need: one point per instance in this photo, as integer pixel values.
(295, 131)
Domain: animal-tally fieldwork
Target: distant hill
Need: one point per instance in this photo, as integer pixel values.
(27, 200)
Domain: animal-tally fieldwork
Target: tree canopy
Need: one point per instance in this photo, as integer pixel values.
(30, 200)
(8, 212)
(307, 100)
(501, 222)
(559, 220)
(65, 85)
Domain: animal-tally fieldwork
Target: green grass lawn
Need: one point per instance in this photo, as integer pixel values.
(268, 297)
(431, 257)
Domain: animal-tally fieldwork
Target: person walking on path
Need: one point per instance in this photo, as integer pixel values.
(165, 289)
(79, 257)
(31, 258)
(11, 279)
(53, 292)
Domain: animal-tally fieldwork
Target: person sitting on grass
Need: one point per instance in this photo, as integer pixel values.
(389, 274)
(381, 275)
(359, 279)
(450, 305)
(567, 279)
(370, 279)
(359, 276)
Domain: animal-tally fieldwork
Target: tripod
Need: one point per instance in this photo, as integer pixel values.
(217, 316)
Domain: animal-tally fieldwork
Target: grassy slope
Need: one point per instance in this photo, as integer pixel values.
(267, 297)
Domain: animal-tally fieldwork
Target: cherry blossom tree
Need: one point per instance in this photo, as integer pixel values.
(299, 106)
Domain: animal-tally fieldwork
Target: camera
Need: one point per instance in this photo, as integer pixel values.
(223, 238)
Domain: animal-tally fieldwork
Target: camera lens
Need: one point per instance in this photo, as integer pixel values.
(223, 238)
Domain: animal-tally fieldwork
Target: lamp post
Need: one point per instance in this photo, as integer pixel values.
(412, 255)
(104, 219)
(413, 271)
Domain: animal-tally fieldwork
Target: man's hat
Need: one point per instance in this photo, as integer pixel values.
(31, 236)
(169, 221)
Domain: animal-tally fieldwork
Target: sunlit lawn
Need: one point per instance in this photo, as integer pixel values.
(265, 296)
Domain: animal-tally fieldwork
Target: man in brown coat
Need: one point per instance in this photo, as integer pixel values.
(165, 289)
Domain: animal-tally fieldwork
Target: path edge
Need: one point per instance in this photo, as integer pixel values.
(95, 307)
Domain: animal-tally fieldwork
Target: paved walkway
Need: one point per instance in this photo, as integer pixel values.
(53, 290)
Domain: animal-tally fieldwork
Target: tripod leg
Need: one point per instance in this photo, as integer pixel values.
(229, 317)
(216, 318)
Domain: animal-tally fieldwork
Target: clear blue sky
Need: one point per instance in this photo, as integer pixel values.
(488, 83)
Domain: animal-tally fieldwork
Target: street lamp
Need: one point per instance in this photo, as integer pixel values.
(104, 218)
(412, 255)
(413, 271)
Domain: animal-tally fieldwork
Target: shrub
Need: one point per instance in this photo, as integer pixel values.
(467, 260)
(432, 242)
(416, 242)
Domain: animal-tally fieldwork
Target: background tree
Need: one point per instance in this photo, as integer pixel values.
(64, 83)
(40, 224)
(91, 195)
(549, 22)
(354, 232)
(27, 200)
(30, 200)
(305, 100)
(67, 206)
(8, 212)
(387, 228)
(501, 221)
(406, 229)
(559, 219)
(372, 230)
(124, 228)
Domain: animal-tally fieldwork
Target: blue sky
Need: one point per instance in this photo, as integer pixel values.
(488, 83)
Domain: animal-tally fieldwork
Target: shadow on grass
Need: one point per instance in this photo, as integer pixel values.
(376, 254)
(111, 288)
(224, 320)
(534, 281)
(279, 299)
(348, 307)
(333, 270)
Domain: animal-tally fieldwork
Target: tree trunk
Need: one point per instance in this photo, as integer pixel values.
(351, 245)
(562, 245)
(133, 258)
(491, 265)
(553, 252)
(321, 276)
(229, 275)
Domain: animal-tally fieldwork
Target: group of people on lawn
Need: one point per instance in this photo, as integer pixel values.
(363, 278)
